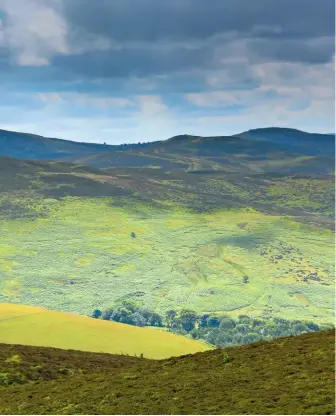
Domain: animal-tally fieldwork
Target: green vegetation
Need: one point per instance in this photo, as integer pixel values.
(81, 254)
(293, 375)
(27, 325)
(218, 330)
(226, 238)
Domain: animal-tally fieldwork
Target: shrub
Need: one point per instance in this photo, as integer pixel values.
(16, 359)
(226, 358)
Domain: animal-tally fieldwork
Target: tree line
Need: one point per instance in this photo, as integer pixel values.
(217, 330)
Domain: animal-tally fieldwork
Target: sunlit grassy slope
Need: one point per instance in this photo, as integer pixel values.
(82, 256)
(28, 325)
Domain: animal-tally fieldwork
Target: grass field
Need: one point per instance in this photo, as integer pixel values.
(27, 325)
(81, 255)
(293, 375)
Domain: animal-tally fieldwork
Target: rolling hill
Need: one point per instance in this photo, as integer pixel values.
(253, 151)
(293, 140)
(293, 375)
(66, 331)
(31, 146)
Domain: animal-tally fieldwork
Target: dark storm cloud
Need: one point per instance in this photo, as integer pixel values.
(313, 51)
(138, 62)
(162, 37)
(152, 20)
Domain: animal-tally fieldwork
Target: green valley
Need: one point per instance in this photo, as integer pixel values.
(81, 254)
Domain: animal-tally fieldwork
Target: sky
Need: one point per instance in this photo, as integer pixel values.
(123, 71)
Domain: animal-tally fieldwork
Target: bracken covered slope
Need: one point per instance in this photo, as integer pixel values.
(66, 240)
(293, 375)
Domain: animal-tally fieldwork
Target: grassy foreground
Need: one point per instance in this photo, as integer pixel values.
(27, 325)
(293, 375)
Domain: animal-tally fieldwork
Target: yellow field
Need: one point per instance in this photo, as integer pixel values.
(20, 324)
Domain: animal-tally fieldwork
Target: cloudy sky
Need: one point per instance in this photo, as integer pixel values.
(121, 71)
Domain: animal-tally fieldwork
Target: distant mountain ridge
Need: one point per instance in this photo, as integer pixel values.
(186, 152)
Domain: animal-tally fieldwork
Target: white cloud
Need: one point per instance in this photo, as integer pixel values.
(143, 118)
(33, 31)
(152, 105)
(215, 98)
(283, 87)
(317, 117)
(289, 95)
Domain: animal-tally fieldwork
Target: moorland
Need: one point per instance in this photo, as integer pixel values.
(250, 379)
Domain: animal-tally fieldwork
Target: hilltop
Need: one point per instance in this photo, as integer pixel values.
(293, 375)
(256, 151)
(68, 331)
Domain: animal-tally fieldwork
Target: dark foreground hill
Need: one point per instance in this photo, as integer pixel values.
(293, 375)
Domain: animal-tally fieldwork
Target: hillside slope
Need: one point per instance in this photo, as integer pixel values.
(293, 375)
(32, 146)
(62, 330)
(66, 240)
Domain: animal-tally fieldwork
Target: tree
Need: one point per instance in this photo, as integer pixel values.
(212, 335)
(138, 319)
(121, 314)
(152, 318)
(270, 328)
(242, 328)
(146, 314)
(282, 330)
(257, 322)
(170, 316)
(203, 321)
(96, 314)
(107, 314)
(299, 328)
(188, 319)
(227, 323)
(223, 339)
(213, 321)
